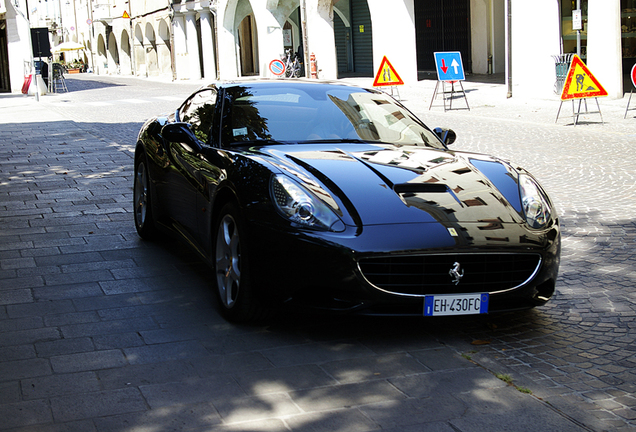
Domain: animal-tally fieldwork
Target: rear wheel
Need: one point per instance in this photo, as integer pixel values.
(237, 301)
(142, 210)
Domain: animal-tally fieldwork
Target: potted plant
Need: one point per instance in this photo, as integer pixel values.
(73, 67)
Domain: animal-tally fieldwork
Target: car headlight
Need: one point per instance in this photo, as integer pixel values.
(536, 206)
(301, 206)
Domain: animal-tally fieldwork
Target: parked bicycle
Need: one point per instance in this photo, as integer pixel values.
(292, 66)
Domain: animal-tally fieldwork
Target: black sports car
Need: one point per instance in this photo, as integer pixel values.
(335, 197)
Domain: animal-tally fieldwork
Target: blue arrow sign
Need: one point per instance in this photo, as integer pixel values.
(449, 66)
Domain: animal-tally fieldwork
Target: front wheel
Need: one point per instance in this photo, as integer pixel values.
(142, 210)
(237, 301)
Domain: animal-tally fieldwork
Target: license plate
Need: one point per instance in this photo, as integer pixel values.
(456, 304)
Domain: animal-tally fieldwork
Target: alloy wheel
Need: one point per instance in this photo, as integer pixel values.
(228, 256)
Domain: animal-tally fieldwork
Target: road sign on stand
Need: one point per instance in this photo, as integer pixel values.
(581, 84)
(387, 76)
(449, 66)
(450, 71)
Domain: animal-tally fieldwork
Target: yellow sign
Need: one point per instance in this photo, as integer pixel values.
(126, 15)
(580, 83)
(387, 76)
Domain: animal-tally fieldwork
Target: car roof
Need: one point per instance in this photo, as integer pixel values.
(277, 82)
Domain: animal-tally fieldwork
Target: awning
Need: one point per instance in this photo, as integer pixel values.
(67, 46)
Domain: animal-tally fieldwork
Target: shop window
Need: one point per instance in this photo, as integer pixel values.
(628, 33)
(628, 30)
(569, 34)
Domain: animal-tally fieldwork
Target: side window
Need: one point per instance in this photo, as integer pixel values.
(199, 112)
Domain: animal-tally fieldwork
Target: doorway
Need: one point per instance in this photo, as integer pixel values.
(441, 25)
(353, 35)
(247, 46)
(5, 82)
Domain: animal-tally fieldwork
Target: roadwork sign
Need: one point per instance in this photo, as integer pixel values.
(449, 66)
(580, 83)
(387, 75)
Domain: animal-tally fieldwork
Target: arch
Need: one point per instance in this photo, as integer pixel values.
(164, 31)
(152, 63)
(264, 28)
(248, 46)
(139, 36)
(353, 34)
(293, 26)
(125, 54)
(139, 52)
(164, 48)
(102, 58)
(113, 54)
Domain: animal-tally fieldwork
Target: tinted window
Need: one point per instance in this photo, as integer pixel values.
(199, 112)
(314, 113)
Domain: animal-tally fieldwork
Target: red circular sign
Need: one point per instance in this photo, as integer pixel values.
(634, 75)
(277, 67)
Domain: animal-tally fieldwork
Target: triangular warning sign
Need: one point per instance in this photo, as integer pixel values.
(387, 76)
(580, 83)
(125, 15)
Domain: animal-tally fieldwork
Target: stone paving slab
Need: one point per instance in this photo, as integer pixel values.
(100, 331)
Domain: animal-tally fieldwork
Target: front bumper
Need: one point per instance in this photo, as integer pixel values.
(321, 270)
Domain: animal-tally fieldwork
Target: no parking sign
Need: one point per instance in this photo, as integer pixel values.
(277, 67)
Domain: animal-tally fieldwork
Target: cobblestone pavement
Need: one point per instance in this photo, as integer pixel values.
(103, 332)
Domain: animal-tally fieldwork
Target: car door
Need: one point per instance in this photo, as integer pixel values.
(184, 178)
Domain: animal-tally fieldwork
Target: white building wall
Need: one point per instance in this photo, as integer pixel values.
(394, 36)
(227, 43)
(320, 39)
(604, 52)
(481, 22)
(535, 38)
(498, 36)
(19, 44)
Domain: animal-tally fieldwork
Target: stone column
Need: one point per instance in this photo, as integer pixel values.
(180, 49)
(604, 48)
(207, 45)
(192, 42)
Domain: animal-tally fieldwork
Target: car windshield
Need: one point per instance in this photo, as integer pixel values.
(310, 113)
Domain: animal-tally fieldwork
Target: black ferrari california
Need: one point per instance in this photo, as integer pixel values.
(337, 198)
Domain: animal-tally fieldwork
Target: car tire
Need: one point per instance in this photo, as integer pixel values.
(142, 208)
(234, 290)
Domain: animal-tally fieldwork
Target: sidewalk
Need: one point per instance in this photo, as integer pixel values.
(100, 331)
(487, 97)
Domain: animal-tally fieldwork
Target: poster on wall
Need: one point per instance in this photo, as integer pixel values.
(287, 38)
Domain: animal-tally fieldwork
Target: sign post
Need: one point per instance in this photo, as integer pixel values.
(633, 76)
(450, 69)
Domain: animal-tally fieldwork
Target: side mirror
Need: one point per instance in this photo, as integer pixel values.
(181, 133)
(447, 136)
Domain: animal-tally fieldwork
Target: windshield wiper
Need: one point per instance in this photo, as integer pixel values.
(338, 140)
(258, 142)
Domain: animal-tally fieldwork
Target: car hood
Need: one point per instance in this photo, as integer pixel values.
(387, 184)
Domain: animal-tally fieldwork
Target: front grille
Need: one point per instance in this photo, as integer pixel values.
(429, 274)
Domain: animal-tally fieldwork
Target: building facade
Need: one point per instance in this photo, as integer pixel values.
(227, 39)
